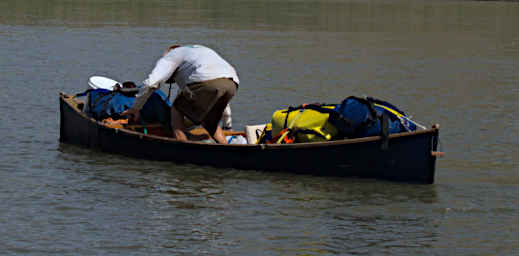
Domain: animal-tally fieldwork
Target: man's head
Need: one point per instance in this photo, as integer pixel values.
(170, 48)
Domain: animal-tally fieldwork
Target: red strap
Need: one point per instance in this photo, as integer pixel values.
(286, 140)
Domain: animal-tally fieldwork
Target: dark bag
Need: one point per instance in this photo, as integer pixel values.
(371, 117)
(102, 104)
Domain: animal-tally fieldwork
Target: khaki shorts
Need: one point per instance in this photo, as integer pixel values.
(204, 102)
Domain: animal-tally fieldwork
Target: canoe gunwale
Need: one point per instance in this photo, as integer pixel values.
(68, 99)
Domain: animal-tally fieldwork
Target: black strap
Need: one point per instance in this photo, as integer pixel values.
(169, 92)
(286, 119)
(384, 133)
(319, 108)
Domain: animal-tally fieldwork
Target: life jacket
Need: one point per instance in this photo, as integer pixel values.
(102, 104)
(305, 123)
(371, 117)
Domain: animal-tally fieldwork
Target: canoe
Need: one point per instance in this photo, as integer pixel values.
(408, 157)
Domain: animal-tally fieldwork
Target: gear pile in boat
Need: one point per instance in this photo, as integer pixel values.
(354, 117)
(102, 104)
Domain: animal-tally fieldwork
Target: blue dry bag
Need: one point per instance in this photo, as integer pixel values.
(370, 117)
(103, 103)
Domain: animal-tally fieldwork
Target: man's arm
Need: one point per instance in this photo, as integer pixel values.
(162, 71)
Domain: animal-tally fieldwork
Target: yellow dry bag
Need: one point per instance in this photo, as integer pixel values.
(307, 123)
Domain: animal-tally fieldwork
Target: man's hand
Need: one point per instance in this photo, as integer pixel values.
(132, 114)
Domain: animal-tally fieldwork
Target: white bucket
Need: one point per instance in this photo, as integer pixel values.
(250, 131)
(101, 82)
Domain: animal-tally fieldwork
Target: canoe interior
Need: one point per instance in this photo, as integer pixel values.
(195, 133)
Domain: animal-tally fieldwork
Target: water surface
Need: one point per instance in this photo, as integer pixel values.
(449, 62)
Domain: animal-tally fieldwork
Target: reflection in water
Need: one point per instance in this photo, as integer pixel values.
(299, 213)
(181, 179)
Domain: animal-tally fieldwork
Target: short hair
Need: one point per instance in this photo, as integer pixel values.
(173, 47)
(170, 48)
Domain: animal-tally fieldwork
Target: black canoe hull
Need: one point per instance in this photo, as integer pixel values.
(408, 158)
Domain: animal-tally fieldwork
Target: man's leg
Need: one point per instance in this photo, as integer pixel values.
(219, 136)
(177, 124)
(214, 116)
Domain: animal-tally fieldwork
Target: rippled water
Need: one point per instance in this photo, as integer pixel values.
(447, 62)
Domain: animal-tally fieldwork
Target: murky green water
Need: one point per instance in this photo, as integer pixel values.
(447, 62)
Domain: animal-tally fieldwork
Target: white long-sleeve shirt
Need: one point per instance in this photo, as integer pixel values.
(193, 63)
